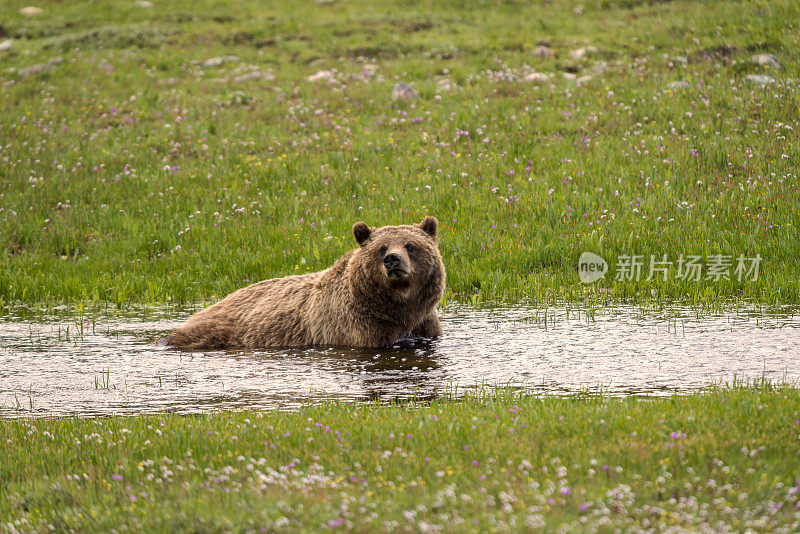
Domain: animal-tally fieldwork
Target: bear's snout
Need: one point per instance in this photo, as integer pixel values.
(392, 261)
(396, 265)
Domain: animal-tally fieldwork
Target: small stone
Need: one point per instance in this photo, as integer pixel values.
(217, 61)
(321, 76)
(30, 11)
(767, 60)
(580, 53)
(680, 84)
(569, 76)
(6, 45)
(106, 67)
(542, 52)
(537, 77)
(761, 79)
(255, 75)
(583, 80)
(143, 3)
(447, 85)
(40, 67)
(403, 91)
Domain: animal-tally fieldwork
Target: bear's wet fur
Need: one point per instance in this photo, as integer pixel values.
(372, 296)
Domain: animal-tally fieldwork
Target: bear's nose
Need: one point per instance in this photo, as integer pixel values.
(392, 260)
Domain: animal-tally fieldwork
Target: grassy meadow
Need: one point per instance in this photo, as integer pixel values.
(135, 170)
(718, 461)
(169, 152)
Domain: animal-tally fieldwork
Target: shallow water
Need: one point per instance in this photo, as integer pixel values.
(114, 367)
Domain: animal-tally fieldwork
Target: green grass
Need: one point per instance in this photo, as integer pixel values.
(132, 175)
(265, 178)
(725, 458)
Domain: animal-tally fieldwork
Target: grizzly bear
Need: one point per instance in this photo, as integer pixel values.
(372, 296)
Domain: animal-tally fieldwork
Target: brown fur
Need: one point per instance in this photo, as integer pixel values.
(358, 301)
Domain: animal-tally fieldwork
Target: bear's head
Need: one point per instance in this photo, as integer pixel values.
(401, 261)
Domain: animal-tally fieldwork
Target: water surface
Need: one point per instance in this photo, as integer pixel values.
(48, 368)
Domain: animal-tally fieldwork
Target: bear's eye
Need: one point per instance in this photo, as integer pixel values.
(410, 247)
(383, 250)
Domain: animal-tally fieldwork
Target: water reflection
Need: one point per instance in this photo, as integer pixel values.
(56, 366)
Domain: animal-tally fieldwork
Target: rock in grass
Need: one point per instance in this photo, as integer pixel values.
(321, 76)
(580, 53)
(143, 3)
(542, 52)
(446, 85)
(403, 91)
(30, 11)
(767, 60)
(217, 61)
(680, 84)
(537, 77)
(761, 79)
(6, 45)
(40, 67)
(254, 75)
(579, 80)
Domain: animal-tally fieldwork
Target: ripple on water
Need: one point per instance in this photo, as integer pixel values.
(115, 367)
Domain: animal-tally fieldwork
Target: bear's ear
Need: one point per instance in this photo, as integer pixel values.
(429, 226)
(361, 231)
